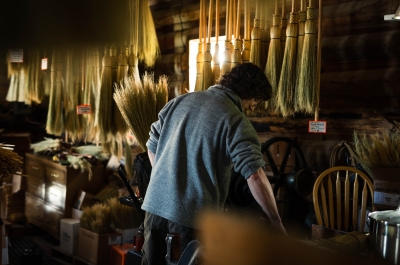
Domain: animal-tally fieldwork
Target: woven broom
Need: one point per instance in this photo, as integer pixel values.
(307, 84)
(55, 115)
(255, 50)
(200, 55)
(216, 64)
(300, 42)
(207, 76)
(287, 82)
(274, 60)
(226, 63)
(265, 34)
(133, 60)
(236, 56)
(104, 110)
(247, 33)
(284, 23)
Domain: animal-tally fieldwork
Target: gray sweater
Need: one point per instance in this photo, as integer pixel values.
(195, 141)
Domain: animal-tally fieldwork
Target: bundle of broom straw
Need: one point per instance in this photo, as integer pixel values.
(274, 60)
(287, 82)
(140, 101)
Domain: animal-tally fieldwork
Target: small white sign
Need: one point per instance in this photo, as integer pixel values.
(317, 126)
(44, 64)
(17, 55)
(386, 198)
(83, 109)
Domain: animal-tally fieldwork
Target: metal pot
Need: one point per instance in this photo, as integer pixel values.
(384, 228)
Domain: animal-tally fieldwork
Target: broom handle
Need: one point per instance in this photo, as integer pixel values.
(283, 8)
(276, 7)
(204, 24)
(210, 10)
(216, 21)
(318, 59)
(311, 3)
(238, 20)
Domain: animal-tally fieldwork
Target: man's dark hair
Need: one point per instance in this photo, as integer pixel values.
(248, 81)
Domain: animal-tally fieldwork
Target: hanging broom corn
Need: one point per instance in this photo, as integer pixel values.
(133, 60)
(36, 91)
(236, 56)
(208, 78)
(226, 63)
(138, 104)
(247, 32)
(148, 47)
(71, 95)
(283, 26)
(55, 115)
(274, 60)
(216, 65)
(255, 50)
(104, 104)
(287, 82)
(265, 33)
(307, 84)
(300, 42)
(200, 55)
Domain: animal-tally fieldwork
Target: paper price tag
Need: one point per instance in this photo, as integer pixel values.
(17, 55)
(83, 109)
(44, 64)
(317, 126)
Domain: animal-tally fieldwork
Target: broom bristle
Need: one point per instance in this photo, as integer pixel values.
(274, 63)
(226, 63)
(208, 78)
(300, 44)
(199, 67)
(307, 87)
(255, 50)
(236, 56)
(286, 87)
(216, 65)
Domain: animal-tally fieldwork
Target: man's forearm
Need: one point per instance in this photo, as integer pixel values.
(263, 193)
(151, 157)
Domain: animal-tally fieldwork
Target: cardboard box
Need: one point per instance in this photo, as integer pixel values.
(386, 187)
(127, 235)
(96, 248)
(69, 234)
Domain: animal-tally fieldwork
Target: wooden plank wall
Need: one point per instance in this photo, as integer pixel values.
(360, 70)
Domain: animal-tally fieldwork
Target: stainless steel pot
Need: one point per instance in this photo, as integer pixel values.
(384, 227)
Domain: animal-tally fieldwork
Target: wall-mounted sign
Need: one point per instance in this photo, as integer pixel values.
(17, 55)
(83, 109)
(317, 126)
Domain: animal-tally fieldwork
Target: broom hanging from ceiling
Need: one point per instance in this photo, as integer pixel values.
(307, 81)
(319, 50)
(200, 55)
(247, 32)
(287, 80)
(284, 23)
(148, 46)
(255, 50)
(55, 115)
(236, 56)
(226, 62)
(208, 77)
(274, 60)
(216, 64)
(300, 44)
(133, 60)
(104, 118)
(265, 33)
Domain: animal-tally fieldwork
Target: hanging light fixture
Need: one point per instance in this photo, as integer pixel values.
(393, 17)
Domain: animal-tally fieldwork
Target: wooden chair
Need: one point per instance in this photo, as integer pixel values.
(336, 197)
